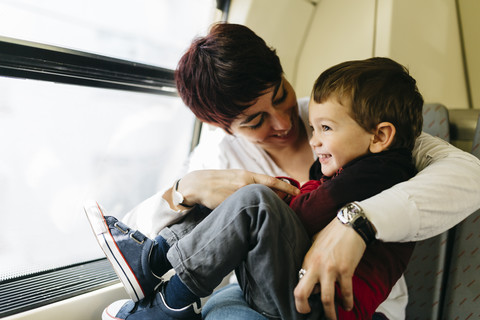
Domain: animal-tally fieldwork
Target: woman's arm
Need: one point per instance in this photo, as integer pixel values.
(205, 187)
(217, 152)
(444, 192)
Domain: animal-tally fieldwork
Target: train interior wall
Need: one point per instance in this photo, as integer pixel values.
(437, 40)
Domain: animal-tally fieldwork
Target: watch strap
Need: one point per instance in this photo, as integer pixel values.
(365, 229)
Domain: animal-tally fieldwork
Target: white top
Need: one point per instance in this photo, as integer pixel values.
(410, 211)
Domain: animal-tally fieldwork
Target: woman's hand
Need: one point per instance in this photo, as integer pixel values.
(333, 257)
(211, 187)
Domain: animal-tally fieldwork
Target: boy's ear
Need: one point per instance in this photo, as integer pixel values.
(382, 137)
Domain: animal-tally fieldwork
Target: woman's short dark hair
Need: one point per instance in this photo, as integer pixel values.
(223, 73)
(376, 90)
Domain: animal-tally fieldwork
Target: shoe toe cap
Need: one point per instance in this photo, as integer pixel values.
(113, 310)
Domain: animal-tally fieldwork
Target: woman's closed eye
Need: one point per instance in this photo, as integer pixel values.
(256, 122)
(282, 98)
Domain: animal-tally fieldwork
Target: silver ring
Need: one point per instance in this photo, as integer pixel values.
(301, 273)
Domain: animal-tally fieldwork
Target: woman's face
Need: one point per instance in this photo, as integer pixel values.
(272, 121)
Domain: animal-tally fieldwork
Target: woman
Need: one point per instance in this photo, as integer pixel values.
(233, 80)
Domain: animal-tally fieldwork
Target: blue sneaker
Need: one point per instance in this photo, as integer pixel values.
(127, 250)
(150, 308)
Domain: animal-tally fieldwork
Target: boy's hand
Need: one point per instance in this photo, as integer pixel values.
(333, 257)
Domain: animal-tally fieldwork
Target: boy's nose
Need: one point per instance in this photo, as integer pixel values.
(315, 141)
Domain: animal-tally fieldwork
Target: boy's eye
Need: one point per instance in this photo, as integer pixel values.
(326, 128)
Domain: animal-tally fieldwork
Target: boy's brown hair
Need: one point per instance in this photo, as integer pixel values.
(375, 90)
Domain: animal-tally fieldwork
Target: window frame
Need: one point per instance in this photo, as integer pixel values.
(30, 60)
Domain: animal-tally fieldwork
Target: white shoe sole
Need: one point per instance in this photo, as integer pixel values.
(109, 246)
(112, 310)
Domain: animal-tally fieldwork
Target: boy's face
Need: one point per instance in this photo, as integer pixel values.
(337, 139)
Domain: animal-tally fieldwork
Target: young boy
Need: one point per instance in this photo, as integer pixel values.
(365, 117)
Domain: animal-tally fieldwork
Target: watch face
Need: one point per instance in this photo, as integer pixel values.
(344, 215)
(348, 214)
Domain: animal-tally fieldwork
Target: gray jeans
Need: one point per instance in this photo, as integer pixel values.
(252, 232)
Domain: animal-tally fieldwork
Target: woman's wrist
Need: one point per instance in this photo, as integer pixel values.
(177, 197)
(353, 215)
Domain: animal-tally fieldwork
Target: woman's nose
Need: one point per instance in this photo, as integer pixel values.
(281, 121)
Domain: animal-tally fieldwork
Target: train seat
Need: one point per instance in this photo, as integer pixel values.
(436, 120)
(476, 140)
(462, 299)
(424, 274)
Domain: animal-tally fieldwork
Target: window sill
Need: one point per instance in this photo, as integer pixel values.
(45, 290)
(87, 306)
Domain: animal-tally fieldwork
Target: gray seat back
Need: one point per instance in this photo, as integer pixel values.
(462, 298)
(476, 140)
(425, 271)
(435, 120)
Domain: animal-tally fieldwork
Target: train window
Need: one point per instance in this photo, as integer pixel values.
(63, 144)
(88, 110)
(148, 31)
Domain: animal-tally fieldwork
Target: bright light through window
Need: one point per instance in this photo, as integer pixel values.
(154, 32)
(62, 144)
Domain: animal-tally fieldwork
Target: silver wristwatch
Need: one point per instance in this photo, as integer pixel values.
(352, 215)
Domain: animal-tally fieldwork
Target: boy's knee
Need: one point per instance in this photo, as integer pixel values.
(258, 195)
